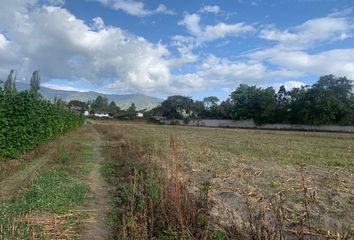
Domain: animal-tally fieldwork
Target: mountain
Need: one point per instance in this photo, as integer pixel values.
(141, 101)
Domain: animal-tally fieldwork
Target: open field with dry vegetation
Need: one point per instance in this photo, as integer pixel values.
(134, 180)
(253, 184)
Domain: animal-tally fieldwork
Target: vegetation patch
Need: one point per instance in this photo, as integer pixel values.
(149, 203)
(44, 209)
(246, 184)
(328, 101)
(27, 120)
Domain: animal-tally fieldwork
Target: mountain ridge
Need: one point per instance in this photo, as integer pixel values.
(123, 101)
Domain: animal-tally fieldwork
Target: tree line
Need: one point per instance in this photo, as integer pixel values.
(328, 101)
(100, 104)
(27, 120)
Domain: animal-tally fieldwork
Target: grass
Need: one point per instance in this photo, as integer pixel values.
(56, 189)
(147, 203)
(263, 167)
(9, 167)
(329, 149)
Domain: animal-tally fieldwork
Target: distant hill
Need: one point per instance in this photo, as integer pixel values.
(141, 101)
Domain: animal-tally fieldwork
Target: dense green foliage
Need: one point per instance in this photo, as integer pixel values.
(329, 101)
(27, 120)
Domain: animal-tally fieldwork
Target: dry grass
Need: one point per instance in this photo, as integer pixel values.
(262, 168)
(152, 200)
(54, 226)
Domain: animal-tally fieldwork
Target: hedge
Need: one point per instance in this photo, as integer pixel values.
(27, 120)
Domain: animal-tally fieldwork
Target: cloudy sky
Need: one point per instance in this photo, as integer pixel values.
(195, 48)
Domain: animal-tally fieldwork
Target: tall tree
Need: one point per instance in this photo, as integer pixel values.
(113, 108)
(328, 101)
(35, 82)
(250, 102)
(131, 111)
(281, 114)
(340, 87)
(225, 110)
(210, 102)
(9, 85)
(100, 104)
(176, 107)
(198, 110)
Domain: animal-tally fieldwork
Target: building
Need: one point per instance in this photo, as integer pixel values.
(140, 114)
(102, 114)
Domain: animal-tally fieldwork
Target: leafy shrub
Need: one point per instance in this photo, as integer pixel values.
(27, 121)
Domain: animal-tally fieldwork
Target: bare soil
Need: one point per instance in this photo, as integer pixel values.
(99, 206)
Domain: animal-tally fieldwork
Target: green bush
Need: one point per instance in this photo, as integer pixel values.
(27, 120)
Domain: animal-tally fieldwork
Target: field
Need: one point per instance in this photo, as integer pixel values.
(135, 180)
(302, 181)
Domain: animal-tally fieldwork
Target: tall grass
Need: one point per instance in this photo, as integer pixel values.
(152, 201)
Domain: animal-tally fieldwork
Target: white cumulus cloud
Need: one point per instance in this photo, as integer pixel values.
(64, 47)
(311, 32)
(213, 32)
(210, 9)
(135, 8)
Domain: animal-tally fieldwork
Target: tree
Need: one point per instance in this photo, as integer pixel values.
(176, 107)
(281, 114)
(283, 96)
(250, 102)
(113, 108)
(78, 103)
(329, 101)
(131, 111)
(35, 82)
(211, 107)
(339, 87)
(210, 102)
(225, 110)
(198, 110)
(9, 85)
(100, 104)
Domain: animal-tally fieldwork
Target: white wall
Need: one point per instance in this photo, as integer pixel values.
(101, 115)
(251, 124)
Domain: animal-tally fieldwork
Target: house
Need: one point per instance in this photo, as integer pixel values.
(140, 114)
(102, 114)
(86, 113)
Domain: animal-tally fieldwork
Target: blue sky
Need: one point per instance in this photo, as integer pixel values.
(160, 48)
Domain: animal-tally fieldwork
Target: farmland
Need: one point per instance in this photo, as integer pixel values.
(305, 176)
(174, 182)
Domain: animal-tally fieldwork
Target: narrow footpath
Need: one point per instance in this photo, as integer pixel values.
(99, 206)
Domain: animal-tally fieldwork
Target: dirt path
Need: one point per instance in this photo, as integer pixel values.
(100, 204)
